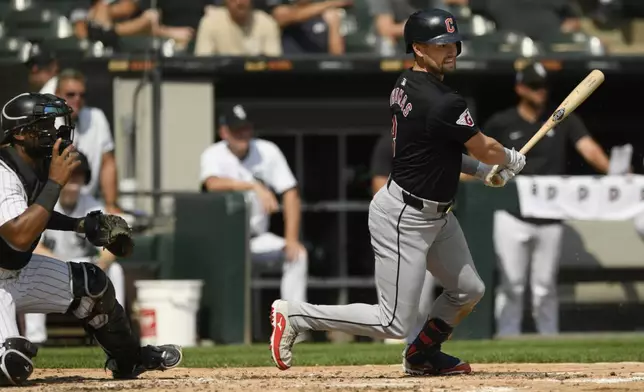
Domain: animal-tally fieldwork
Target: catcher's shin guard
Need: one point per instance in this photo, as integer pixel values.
(95, 303)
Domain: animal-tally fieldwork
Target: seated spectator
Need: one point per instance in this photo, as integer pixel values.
(307, 26)
(389, 22)
(70, 246)
(92, 137)
(106, 20)
(237, 30)
(43, 68)
(535, 18)
(243, 163)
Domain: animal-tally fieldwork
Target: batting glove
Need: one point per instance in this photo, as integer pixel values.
(515, 161)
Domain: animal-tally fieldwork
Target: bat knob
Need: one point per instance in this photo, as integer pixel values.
(492, 173)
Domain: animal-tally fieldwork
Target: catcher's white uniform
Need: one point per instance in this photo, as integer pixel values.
(70, 246)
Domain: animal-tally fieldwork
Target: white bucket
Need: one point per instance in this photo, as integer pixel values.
(168, 311)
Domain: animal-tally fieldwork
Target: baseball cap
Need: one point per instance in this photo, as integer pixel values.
(533, 75)
(84, 167)
(39, 56)
(235, 117)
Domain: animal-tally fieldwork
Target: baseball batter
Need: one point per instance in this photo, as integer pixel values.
(37, 159)
(412, 228)
(74, 247)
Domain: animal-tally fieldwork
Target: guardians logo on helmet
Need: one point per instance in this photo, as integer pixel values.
(434, 26)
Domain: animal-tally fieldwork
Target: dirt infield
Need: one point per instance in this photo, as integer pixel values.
(487, 378)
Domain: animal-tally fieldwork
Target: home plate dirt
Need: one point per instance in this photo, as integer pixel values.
(487, 378)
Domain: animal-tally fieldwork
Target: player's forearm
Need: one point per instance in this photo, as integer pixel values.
(292, 215)
(493, 153)
(219, 184)
(61, 222)
(109, 180)
(474, 168)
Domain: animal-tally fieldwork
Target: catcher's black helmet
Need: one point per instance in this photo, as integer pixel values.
(434, 26)
(47, 115)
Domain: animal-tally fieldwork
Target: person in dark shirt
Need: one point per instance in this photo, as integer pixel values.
(513, 233)
(410, 221)
(307, 26)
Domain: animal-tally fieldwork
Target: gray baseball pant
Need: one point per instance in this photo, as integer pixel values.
(406, 243)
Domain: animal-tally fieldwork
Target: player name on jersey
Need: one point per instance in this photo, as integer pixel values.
(581, 197)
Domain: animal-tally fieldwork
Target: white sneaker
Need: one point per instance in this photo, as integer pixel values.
(283, 336)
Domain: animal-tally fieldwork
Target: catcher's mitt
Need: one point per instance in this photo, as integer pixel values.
(109, 231)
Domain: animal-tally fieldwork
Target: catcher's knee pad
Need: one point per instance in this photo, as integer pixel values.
(95, 303)
(15, 362)
(94, 296)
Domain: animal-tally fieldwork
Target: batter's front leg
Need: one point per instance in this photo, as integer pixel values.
(450, 261)
(400, 239)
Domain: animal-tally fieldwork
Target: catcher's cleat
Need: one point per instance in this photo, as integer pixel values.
(152, 358)
(283, 336)
(435, 363)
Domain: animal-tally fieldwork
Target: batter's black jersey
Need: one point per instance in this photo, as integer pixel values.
(548, 157)
(430, 124)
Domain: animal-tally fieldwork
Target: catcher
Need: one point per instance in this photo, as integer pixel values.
(74, 247)
(37, 160)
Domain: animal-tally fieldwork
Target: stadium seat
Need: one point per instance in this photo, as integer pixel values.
(500, 43)
(65, 7)
(36, 24)
(5, 7)
(14, 48)
(70, 47)
(574, 43)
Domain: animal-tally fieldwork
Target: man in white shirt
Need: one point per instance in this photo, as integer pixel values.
(43, 68)
(241, 162)
(73, 247)
(93, 138)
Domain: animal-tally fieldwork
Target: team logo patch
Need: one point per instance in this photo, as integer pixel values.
(465, 119)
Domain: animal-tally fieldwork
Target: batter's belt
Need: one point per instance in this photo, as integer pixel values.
(423, 205)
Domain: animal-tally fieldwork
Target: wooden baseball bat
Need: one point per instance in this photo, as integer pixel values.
(580, 93)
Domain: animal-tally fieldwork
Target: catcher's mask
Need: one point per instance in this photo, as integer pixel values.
(44, 117)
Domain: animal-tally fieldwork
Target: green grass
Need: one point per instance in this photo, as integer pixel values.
(617, 349)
